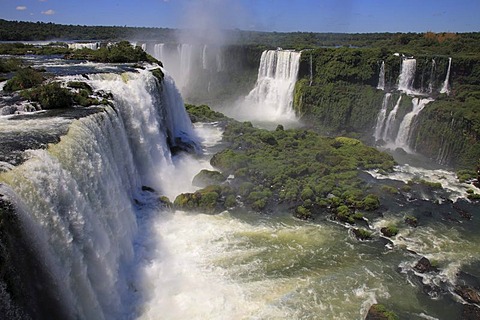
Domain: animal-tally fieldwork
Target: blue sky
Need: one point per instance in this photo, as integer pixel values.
(263, 15)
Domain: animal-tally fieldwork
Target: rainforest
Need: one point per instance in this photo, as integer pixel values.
(271, 176)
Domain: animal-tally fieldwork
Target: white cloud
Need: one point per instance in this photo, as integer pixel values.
(48, 12)
(21, 8)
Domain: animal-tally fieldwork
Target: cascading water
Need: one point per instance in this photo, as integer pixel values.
(381, 117)
(404, 131)
(158, 51)
(389, 124)
(204, 58)
(272, 97)
(381, 77)
(432, 76)
(79, 194)
(445, 87)
(407, 75)
(78, 46)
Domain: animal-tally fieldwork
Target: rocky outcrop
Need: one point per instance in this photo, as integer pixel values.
(379, 312)
(424, 265)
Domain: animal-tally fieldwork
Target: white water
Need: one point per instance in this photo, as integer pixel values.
(448, 179)
(387, 132)
(186, 62)
(272, 98)
(404, 131)
(91, 45)
(79, 194)
(445, 87)
(381, 117)
(381, 77)
(407, 75)
(432, 76)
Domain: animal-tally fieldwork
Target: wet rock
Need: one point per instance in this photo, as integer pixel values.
(389, 231)
(379, 312)
(362, 234)
(424, 265)
(470, 312)
(145, 188)
(468, 294)
(463, 213)
(411, 221)
(207, 177)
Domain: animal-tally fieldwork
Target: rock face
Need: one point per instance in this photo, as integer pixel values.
(468, 294)
(470, 312)
(207, 177)
(379, 312)
(424, 265)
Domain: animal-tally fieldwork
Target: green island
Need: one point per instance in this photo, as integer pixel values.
(296, 169)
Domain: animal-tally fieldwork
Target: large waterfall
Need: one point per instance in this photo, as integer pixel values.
(407, 75)
(381, 77)
(186, 62)
(445, 87)
(76, 200)
(381, 117)
(396, 132)
(272, 97)
(404, 131)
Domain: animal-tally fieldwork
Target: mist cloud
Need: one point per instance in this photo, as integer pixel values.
(21, 8)
(205, 21)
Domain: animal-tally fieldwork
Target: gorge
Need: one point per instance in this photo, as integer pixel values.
(86, 215)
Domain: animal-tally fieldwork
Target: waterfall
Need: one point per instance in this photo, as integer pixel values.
(78, 46)
(219, 61)
(311, 70)
(381, 77)
(407, 75)
(381, 117)
(79, 194)
(204, 58)
(404, 131)
(445, 87)
(272, 97)
(387, 132)
(158, 51)
(432, 77)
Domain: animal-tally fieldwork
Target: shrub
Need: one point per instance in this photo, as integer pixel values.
(24, 79)
(50, 96)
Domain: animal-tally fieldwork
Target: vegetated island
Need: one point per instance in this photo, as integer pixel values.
(296, 170)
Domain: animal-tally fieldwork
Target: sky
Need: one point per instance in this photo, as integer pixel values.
(351, 16)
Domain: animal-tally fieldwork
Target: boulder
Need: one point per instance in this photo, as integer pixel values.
(379, 312)
(470, 312)
(424, 265)
(207, 177)
(468, 294)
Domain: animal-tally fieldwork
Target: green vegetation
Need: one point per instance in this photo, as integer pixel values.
(24, 78)
(390, 230)
(411, 221)
(362, 234)
(305, 173)
(207, 177)
(203, 113)
(121, 52)
(10, 64)
(428, 184)
(440, 43)
(54, 48)
(50, 96)
(380, 312)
